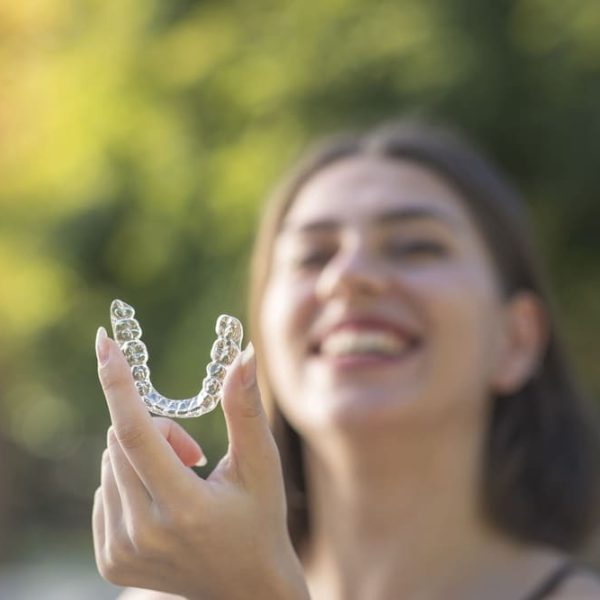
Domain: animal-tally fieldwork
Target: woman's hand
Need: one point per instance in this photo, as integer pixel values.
(158, 525)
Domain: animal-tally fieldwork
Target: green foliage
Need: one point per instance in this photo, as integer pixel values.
(137, 140)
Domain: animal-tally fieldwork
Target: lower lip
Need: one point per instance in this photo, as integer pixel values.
(353, 362)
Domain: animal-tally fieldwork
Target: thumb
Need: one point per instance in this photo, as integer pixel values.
(252, 449)
(186, 447)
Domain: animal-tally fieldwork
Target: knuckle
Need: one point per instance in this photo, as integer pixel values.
(118, 554)
(112, 572)
(251, 408)
(103, 568)
(130, 436)
(165, 426)
(163, 422)
(119, 549)
(113, 447)
(178, 519)
(142, 536)
(106, 463)
(110, 436)
(181, 520)
(109, 566)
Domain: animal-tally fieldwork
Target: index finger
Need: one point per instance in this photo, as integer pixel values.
(148, 451)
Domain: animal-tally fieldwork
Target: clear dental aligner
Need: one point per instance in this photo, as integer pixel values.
(127, 333)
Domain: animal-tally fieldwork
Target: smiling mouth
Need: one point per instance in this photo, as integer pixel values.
(358, 346)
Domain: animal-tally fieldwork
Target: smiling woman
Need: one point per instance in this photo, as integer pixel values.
(428, 438)
(405, 324)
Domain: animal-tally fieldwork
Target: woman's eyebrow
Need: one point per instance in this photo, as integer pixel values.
(317, 226)
(416, 213)
(388, 217)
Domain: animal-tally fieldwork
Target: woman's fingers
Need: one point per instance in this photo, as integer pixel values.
(134, 495)
(251, 444)
(185, 446)
(98, 525)
(111, 500)
(135, 499)
(148, 451)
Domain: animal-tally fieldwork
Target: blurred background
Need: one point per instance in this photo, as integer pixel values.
(138, 140)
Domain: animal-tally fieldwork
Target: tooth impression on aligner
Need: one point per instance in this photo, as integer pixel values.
(127, 332)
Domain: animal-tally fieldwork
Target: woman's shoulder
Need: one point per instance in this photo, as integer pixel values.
(140, 594)
(582, 584)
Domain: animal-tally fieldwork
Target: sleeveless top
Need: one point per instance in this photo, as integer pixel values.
(553, 581)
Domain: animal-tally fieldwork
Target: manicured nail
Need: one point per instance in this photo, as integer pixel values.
(248, 366)
(102, 346)
(202, 462)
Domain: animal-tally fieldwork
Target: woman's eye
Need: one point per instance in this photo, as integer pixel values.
(417, 249)
(314, 259)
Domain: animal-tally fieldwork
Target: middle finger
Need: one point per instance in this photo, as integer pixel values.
(135, 499)
(98, 525)
(111, 499)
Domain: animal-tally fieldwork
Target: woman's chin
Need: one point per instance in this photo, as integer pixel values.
(349, 410)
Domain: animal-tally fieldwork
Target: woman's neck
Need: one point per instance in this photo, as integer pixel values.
(396, 515)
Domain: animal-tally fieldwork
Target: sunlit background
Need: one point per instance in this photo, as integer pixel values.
(138, 140)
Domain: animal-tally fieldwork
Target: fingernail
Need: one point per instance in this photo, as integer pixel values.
(248, 366)
(102, 347)
(202, 462)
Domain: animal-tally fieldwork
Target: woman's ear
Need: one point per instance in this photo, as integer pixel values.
(524, 342)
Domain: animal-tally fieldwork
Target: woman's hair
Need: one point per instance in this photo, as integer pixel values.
(538, 482)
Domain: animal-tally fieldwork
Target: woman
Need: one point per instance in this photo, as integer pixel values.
(431, 439)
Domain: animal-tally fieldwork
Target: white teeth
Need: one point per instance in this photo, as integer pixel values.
(347, 342)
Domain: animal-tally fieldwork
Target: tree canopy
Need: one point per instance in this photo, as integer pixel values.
(138, 139)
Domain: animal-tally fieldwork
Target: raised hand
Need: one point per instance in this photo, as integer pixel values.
(157, 525)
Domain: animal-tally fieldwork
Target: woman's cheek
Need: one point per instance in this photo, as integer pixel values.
(290, 310)
(462, 317)
(278, 328)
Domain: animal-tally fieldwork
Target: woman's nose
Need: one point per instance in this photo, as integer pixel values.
(351, 271)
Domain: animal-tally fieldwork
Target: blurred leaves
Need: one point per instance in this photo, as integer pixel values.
(138, 138)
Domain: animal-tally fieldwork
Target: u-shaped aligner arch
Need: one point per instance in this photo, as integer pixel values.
(127, 333)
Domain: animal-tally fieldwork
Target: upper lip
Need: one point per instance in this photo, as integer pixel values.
(366, 322)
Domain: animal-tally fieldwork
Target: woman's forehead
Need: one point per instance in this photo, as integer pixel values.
(376, 189)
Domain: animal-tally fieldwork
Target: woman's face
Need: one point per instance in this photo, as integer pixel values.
(382, 304)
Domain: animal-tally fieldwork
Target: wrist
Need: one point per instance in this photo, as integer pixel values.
(283, 577)
(288, 581)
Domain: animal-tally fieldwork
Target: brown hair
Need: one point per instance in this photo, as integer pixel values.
(539, 479)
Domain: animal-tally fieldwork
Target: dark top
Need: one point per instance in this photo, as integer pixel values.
(553, 581)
